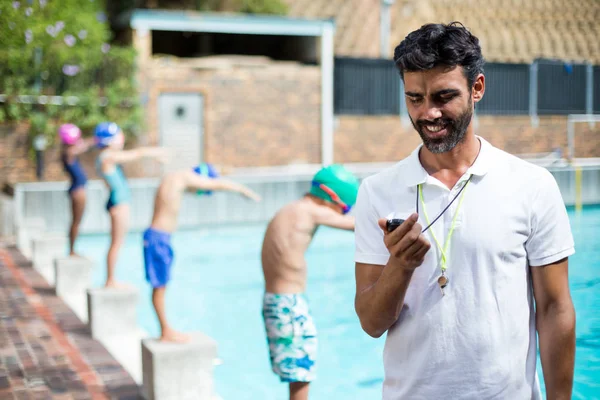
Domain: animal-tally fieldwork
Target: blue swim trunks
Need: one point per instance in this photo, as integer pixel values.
(291, 336)
(158, 257)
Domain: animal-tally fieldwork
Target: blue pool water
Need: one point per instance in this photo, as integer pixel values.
(217, 288)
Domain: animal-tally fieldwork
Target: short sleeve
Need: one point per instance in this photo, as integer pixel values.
(370, 248)
(550, 237)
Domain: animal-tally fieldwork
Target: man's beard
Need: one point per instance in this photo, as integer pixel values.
(456, 130)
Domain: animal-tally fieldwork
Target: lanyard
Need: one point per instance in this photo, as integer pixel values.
(444, 249)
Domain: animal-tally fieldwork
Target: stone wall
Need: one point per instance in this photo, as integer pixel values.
(387, 138)
(249, 139)
(256, 113)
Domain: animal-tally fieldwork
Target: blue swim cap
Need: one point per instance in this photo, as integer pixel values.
(208, 170)
(105, 133)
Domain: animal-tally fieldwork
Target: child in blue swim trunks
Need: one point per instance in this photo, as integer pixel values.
(289, 326)
(158, 254)
(110, 140)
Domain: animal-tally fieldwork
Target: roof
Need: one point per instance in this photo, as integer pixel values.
(509, 30)
(356, 21)
(193, 21)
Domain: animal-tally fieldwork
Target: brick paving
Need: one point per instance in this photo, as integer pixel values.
(46, 352)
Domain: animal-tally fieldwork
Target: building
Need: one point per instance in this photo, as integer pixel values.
(247, 92)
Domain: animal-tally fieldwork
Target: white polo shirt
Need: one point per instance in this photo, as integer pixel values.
(479, 340)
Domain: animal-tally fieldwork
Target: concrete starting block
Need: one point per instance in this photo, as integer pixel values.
(45, 249)
(28, 230)
(112, 312)
(73, 277)
(112, 318)
(179, 371)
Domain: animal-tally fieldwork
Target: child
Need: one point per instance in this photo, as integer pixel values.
(158, 254)
(72, 146)
(110, 139)
(291, 333)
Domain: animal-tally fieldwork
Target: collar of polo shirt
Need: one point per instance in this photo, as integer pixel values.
(417, 174)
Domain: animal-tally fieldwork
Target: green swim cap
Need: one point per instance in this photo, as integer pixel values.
(341, 181)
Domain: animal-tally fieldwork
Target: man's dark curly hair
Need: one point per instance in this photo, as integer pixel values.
(433, 45)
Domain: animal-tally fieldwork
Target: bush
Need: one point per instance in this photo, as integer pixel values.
(52, 47)
(276, 7)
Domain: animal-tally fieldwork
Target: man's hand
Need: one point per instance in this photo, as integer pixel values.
(380, 290)
(406, 244)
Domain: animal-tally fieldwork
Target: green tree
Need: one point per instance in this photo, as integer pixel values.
(276, 7)
(52, 47)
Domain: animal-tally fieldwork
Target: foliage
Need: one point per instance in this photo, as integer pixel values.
(60, 47)
(276, 7)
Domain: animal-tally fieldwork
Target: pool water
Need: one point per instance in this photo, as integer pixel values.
(217, 288)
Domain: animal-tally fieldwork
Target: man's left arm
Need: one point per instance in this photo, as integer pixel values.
(555, 322)
(549, 246)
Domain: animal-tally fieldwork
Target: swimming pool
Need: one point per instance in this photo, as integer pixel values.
(217, 288)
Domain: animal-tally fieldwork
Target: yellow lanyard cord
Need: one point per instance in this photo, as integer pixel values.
(443, 250)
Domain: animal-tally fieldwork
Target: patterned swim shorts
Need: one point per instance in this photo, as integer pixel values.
(291, 335)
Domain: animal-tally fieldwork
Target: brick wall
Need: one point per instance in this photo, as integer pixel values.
(256, 112)
(18, 165)
(357, 139)
(262, 115)
(386, 138)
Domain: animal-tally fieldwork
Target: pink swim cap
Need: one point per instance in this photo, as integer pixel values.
(69, 133)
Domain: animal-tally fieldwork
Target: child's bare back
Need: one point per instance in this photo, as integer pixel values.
(287, 238)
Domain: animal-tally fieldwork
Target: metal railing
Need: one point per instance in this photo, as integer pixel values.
(277, 186)
(545, 87)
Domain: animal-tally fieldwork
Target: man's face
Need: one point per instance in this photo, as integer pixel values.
(440, 105)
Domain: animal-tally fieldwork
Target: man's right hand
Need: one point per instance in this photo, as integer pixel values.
(406, 244)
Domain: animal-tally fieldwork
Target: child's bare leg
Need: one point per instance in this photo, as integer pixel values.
(299, 390)
(167, 333)
(119, 217)
(78, 199)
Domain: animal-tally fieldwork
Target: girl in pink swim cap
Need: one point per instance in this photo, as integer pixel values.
(72, 146)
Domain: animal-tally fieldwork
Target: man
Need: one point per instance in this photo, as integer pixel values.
(454, 293)
(158, 254)
(291, 332)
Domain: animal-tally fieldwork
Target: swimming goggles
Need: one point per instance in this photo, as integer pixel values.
(334, 197)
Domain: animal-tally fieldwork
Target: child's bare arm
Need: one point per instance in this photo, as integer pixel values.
(199, 182)
(80, 147)
(328, 217)
(127, 156)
